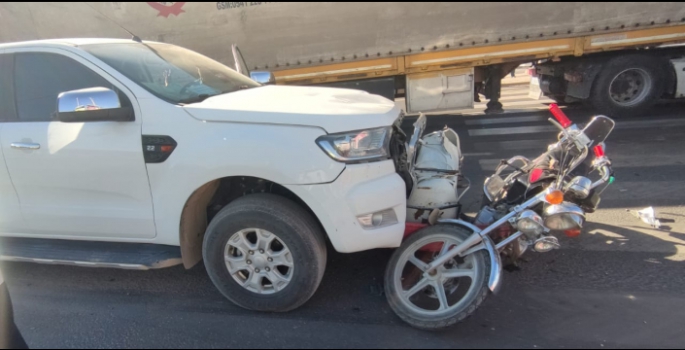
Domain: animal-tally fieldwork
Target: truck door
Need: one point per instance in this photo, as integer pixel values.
(11, 220)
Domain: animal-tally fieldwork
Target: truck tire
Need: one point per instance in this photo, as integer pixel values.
(265, 253)
(628, 85)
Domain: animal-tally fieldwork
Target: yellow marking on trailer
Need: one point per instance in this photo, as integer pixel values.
(492, 55)
(579, 47)
(635, 37)
(480, 56)
(339, 71)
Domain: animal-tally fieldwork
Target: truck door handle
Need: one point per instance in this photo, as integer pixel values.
(24, 145)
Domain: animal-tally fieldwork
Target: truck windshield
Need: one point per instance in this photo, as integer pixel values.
(172, 73)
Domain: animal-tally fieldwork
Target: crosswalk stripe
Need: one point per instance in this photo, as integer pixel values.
(512, 130)
(489, 121)
(516, 103)
(491, 164)
(639, 124)
(509, 145)
(518, 98)
(621, 125)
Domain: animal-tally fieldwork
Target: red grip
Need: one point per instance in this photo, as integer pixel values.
(560, 116)
(599, 151)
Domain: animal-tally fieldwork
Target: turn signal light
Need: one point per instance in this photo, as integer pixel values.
(555, 197)
(572, 233)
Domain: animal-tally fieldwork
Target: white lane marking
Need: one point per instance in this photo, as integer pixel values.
(504, 120)
(530, 102)
(490, 164)
(635, 124)
(512, 130)
(519, 98)
(510, 145)
(639, 124)
(478, 154)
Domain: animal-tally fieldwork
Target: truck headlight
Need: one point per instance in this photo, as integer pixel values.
(357, 146)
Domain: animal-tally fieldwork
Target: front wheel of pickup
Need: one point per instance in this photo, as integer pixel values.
(265, 253)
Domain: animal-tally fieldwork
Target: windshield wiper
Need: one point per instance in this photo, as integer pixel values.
(202, 97)
(196, 99)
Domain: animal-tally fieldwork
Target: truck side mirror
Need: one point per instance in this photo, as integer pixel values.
(91, 105)
(263, 77)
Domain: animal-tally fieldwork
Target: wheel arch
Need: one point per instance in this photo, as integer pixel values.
(209, 198)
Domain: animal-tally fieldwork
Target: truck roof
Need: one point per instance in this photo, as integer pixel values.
(73, 42)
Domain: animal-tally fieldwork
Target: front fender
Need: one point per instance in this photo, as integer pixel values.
(495, 278)
(286, 155)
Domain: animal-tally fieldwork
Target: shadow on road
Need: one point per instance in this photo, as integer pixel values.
(573, 287)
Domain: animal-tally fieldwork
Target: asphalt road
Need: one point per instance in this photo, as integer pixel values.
(620, 285)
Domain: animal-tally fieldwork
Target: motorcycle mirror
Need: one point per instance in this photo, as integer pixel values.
(598, 129)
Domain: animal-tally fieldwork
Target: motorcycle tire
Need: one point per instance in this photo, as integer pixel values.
(440, 319)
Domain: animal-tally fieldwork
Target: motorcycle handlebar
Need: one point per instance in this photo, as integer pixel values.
(605, 170)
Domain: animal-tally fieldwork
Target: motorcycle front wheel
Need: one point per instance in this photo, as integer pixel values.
(437, 300)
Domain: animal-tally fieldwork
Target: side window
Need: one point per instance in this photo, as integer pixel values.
(6, 94)
(40, 77)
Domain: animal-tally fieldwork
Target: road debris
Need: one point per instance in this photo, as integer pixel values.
(648, 216)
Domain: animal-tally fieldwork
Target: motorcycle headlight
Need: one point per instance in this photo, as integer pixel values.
(580, 187)
(564, 216)
(530, 224)
(357, 146)
(494, 187)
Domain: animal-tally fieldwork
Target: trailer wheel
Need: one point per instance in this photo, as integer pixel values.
(628, 85)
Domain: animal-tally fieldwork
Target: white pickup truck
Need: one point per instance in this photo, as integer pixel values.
(141, 155)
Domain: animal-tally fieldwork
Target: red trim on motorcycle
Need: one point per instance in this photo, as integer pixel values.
(411, 228)
(599, 151)
(572, 233)
(535, 175)
(560, 116)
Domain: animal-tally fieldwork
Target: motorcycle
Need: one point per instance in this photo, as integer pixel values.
(449, 263)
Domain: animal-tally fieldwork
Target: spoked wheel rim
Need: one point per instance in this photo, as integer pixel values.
(259, 261)
(450, 288)
(630, 87)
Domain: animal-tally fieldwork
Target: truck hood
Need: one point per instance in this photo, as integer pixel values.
(334, 110)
